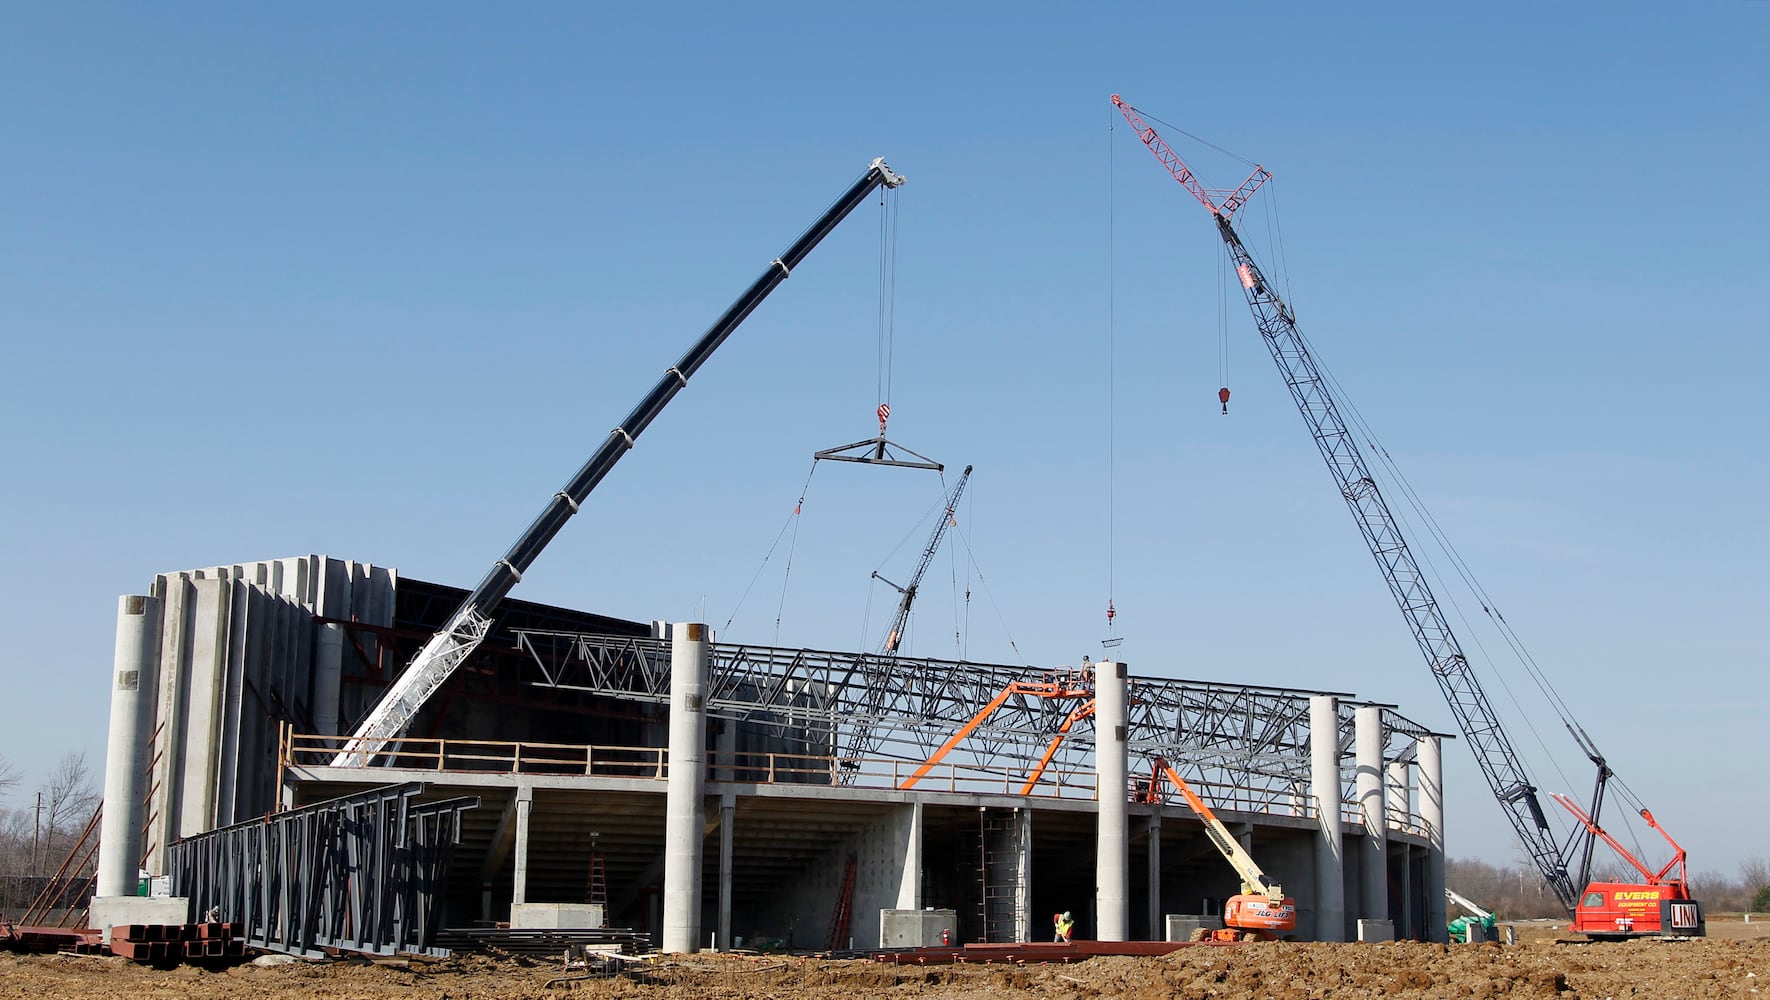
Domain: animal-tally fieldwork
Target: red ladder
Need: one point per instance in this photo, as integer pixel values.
(844, 918)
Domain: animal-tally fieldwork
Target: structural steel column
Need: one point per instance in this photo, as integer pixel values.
(727, 813)
(133, 697)
(1430, 761)
(1112, 852)
(525, 803)
(1324, 785)
(1157, 930)
(684, 810)
(1373, 861)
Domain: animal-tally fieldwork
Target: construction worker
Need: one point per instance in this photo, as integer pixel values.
(1064, 925)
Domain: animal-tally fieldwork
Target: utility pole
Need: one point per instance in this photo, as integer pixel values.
(37, 836)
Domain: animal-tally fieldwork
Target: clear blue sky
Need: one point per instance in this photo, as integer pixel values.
(372, 280)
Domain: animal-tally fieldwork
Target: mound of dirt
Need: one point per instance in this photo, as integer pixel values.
(1734, 962)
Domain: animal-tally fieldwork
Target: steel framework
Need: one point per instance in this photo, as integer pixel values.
(363, 873)
(1249, 739)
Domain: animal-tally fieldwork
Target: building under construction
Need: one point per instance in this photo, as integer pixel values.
(708, 793)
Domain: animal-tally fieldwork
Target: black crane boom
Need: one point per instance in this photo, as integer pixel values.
(468, 626)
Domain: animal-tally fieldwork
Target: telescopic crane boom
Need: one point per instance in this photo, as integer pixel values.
(467, 627)
(1499, 763)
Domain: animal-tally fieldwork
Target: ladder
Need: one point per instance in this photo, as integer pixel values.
(596, 892)
(844, 918)
(998, 877)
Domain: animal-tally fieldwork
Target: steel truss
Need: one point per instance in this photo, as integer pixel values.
(363, 873)
(1247, 744)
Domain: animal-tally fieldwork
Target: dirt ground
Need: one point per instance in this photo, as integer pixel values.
(1734, 961)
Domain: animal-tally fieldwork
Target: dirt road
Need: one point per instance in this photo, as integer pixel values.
(1733, 962)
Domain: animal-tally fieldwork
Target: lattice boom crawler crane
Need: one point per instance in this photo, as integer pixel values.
(1665, 903)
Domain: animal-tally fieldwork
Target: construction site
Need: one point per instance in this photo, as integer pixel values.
(325, 759)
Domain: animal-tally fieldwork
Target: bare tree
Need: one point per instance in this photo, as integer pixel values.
(68, 801)
(8, 776)
(1754, 872)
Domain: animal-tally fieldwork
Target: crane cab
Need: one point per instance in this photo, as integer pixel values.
(1617, 910)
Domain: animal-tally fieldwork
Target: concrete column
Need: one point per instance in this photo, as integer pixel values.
(727, 813)
(133, 691)
(1324, 785)
(1157, 927)
(684, 810)
(725, 753)
(1112, 853)
(909, 884)
(1430, 762)
(1023, 873)
(1396, 798)
(1373, 861)
(328, 678)
(525, 803)
(1400, 806)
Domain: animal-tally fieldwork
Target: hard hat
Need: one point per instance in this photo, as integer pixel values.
(1066, 914)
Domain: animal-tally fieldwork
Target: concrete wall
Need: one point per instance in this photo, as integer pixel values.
(237, 655)
(801, 912)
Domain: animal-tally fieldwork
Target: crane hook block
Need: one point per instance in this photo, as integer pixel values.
(1223, 398)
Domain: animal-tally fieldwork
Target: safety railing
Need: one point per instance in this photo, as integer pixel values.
(782, 768)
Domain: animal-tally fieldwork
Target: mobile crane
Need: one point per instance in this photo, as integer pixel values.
(468, 626)
(1262, 911)
(1499, 763)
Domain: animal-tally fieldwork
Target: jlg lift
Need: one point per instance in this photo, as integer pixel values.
(1262, 911)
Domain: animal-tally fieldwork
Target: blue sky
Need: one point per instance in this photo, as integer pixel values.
(372, 281)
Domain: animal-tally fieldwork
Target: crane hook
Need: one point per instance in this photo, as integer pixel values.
(1223, 397)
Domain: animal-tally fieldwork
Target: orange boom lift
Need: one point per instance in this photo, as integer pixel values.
(1262, 911)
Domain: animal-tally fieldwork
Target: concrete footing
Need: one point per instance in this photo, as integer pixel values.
(1179, 926)
(551, 915)
(115, 911)
(1376, 930)
(917, 928)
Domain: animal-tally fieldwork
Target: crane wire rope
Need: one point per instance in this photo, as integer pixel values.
(791, 522)
(1433, 531)
(1111, 374)
(983, 581)
(952, 560)
(914, 530)
(1441, 539)
(887, 318)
